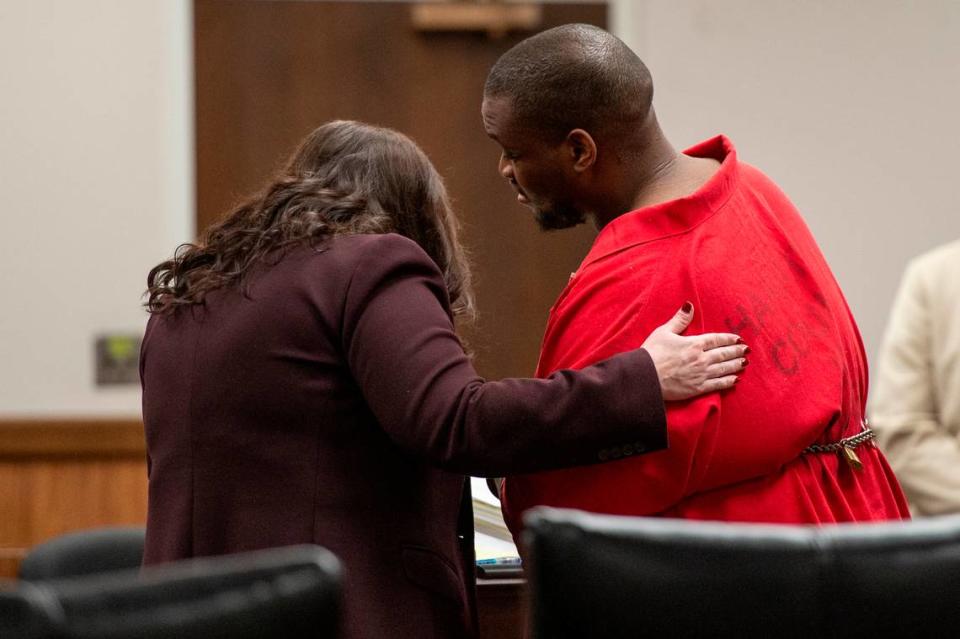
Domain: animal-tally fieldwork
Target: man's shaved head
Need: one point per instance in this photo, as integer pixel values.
(573, 76)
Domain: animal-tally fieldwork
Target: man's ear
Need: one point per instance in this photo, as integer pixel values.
(582, 149)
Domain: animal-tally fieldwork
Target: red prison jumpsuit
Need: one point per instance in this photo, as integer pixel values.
(739, 250)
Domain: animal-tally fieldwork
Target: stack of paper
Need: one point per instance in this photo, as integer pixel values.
(493, 539)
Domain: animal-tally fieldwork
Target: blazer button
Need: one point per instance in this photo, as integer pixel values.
(603, 455)
(639, 447)
(627, 450)
(615, 453)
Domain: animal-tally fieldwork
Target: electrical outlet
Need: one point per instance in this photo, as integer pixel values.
(117, 359)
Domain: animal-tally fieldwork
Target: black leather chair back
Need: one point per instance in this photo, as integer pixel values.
(28, 612)
(289, 592)
(612, 577)
(84, 553)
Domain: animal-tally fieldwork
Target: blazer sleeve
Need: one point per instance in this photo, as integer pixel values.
(401, 347)
(904, 410)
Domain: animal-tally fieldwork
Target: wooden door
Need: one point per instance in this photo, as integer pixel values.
(268, 72)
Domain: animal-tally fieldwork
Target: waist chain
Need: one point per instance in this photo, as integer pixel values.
(846, 447)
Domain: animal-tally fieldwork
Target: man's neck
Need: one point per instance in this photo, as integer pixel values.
(661, 174)
(683, 176)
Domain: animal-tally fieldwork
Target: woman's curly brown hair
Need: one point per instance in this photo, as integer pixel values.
(346, 178)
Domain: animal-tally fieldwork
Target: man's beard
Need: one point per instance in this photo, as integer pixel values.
(559, 216)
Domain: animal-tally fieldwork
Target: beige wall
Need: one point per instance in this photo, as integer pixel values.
(96, 163)
(850, 106)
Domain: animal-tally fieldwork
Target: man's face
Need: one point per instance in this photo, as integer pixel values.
(532, 165)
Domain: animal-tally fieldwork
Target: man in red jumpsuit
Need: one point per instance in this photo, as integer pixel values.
(572, 110)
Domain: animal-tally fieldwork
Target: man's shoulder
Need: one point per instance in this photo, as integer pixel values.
(753, 175)
(935, 272)
(945, 257)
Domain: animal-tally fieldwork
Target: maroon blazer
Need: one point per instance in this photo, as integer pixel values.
(332, 403)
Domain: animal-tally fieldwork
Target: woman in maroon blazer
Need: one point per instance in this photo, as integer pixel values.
(303, 383)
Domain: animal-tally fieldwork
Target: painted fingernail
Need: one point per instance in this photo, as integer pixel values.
(687, 307)
(746, 350)
(739, 340)
(745, 362)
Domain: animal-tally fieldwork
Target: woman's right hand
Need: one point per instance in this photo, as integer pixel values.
(691, 366)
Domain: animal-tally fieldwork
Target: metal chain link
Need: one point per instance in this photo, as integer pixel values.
(847, 442)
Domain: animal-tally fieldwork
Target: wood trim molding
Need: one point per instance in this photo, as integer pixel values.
(71, 438)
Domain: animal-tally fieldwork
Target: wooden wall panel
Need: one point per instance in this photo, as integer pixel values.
(58, 477)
